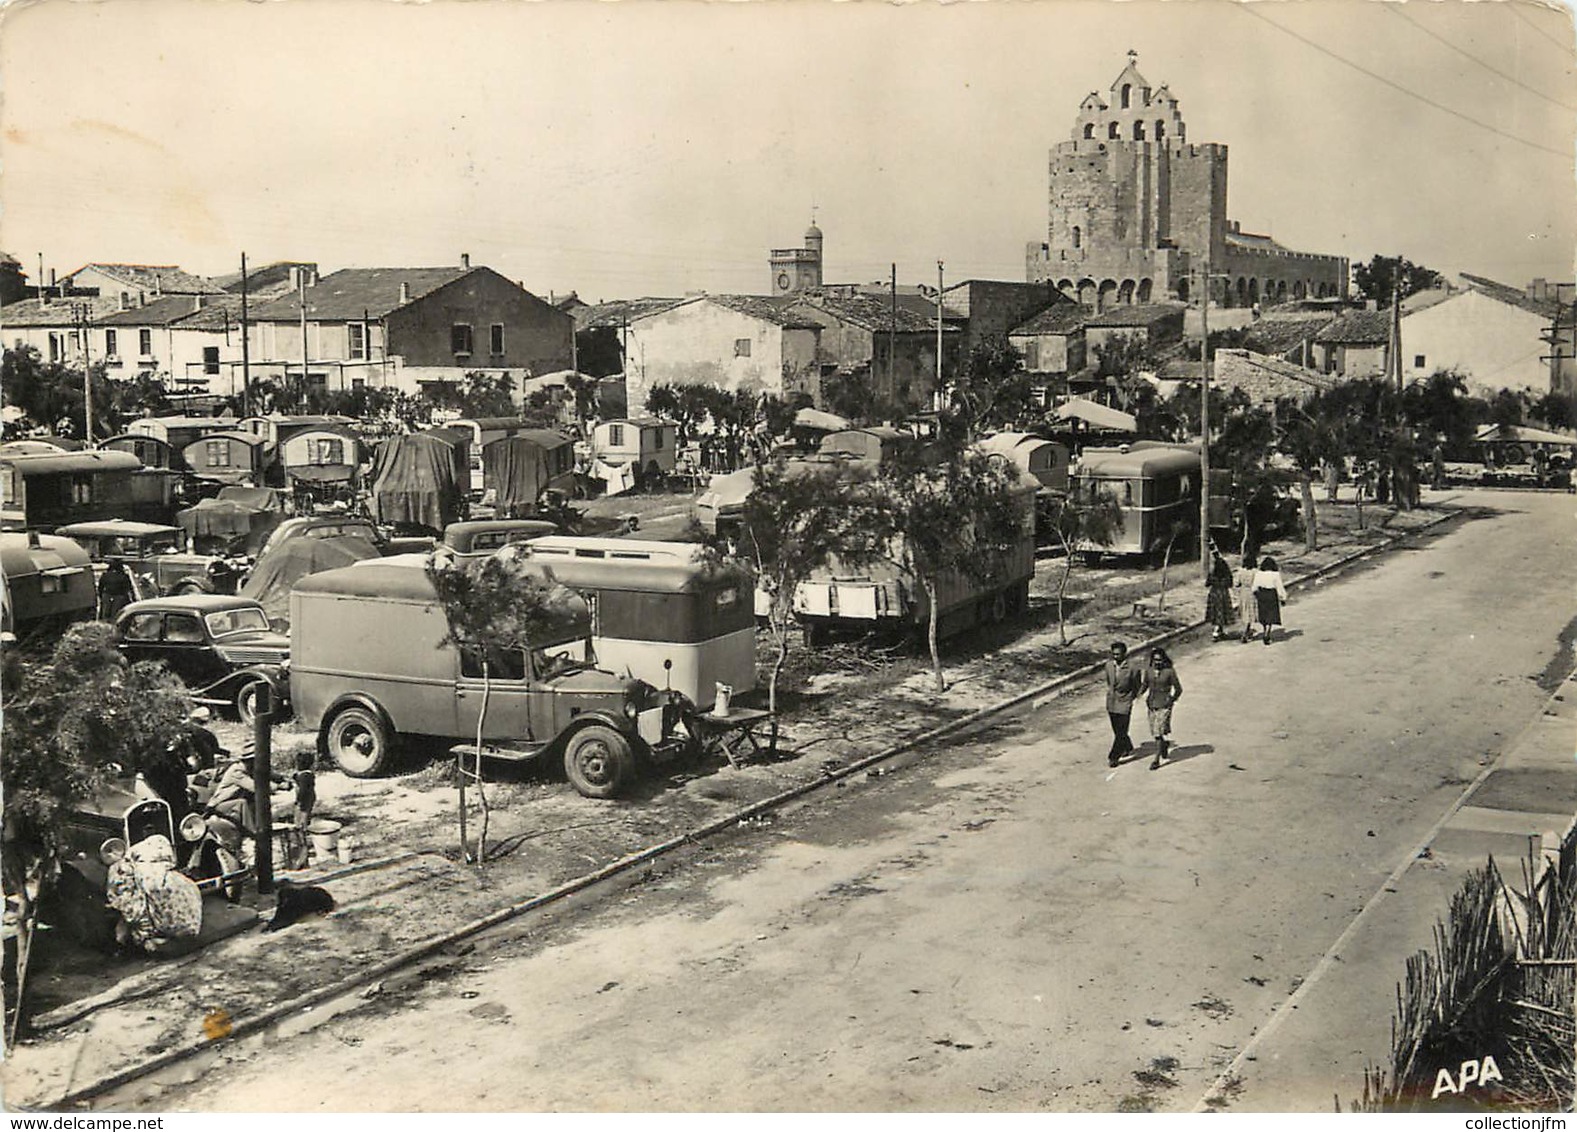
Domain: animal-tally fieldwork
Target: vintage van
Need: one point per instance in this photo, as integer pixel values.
(369, 666)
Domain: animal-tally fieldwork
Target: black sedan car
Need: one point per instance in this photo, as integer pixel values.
(220, 646)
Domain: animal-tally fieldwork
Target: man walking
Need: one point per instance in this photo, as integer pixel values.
(1122, 688)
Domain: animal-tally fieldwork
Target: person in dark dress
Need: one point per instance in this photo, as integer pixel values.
(116, 591)
(1218, 600)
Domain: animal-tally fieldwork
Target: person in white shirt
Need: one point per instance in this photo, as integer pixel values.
(1269, 594)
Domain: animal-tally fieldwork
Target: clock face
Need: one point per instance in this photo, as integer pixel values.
(783, 280)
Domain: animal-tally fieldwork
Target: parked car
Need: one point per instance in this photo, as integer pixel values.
(483, 536)
(338, 526)
(220, 646)
(156, 558)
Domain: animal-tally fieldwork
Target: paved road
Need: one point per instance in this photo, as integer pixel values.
(1007, 924)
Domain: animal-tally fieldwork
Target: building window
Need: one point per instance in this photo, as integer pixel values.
(56, 349)
(1138, 131)
(82, 489)
(325, 450)
(145, 343)
(1078, 236)
(355, 341)
(1114, 131)
(1418, 361)
(741, 347)
(358, 383)
(495, 339)
(657, 439)
(211, 360)
(109, 343)
(217, 453)
(1089, 129)
(1127, 94)
(460, 339)
(616, 435)
(1160, 131)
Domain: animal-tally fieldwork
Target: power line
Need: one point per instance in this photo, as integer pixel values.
(1516, 10)
(1469, 55)
(1249, 9)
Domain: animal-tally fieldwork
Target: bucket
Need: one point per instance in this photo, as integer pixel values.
(344, 849)
(725, 692)
(325, 836)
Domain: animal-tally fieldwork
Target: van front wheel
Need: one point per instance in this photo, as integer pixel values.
(359, 743)
(598, 762)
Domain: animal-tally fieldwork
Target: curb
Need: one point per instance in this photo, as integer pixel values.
(426, 948)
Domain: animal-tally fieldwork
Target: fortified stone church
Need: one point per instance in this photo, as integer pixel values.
(1135, 209)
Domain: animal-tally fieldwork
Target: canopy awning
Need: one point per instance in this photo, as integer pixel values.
(1521, 434)
(819, 420)
(1099, 415)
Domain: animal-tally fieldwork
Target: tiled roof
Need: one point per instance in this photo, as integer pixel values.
(1060, 318)
(871, 312)
(1139, 314)
(166, 278)
(1358, 328)
(775, 310)
(58, 312)
(1253, 240)
(1512, 296)
(619, 311)
(263, 278)
(1276, 336)
(348, 294)
(178, 310)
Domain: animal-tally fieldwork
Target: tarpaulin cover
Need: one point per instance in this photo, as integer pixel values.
(1502, 434)
(286, 564)
(820, 420)
(241, 528)
(517, 471)
(1098, 415)
(416, 481)
(260, 498)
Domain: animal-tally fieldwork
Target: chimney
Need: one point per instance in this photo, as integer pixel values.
(158, 283)
(295, 278)
(1539, 290)
(405, 292)
(465, 260)
(197, 303)
(125, 301)
(142, 298)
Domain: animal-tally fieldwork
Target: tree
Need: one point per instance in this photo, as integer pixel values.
(1439, 407)
(994, 390)
(478, 394)
(1310, 436)
(1074, 523)
(1123, 355)
(955, 520)
(799, 519)
(1556, 410)
(51, 392)
(70, 721)
(778, 413)
(491, 608)
(1378, 278)
(676, 403)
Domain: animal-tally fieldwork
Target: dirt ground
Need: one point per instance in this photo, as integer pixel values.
(407, 883)
(1004, 924)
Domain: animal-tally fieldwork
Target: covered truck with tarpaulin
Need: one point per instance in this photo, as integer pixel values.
(287, 563)
(416, 482)
(238, 521)
(517, 469)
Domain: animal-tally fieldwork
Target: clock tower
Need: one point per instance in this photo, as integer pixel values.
(798, 269)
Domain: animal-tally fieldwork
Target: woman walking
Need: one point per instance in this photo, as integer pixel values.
(1269, 594)
(1218, 600)
(1162, 689)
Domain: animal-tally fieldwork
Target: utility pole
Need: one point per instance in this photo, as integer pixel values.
(892, 334)
(81, 311)
(303, 391)
(246, 353)
(1204, 422)
(939, 386)
(1561, 332)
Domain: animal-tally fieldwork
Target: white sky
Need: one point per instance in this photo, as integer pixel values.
(639, 148)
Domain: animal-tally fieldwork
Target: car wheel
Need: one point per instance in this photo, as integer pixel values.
(247, 698)
(358, 742)
(598, 762)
